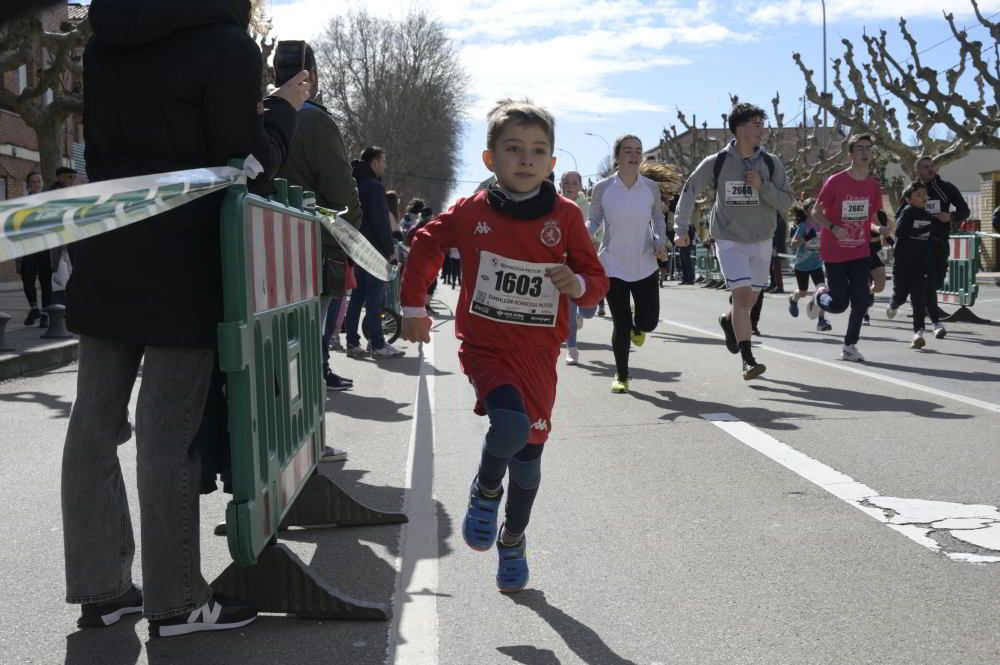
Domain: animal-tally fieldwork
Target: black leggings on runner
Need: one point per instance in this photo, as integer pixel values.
(646, 294)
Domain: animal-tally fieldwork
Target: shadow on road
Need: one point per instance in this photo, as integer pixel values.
(676, 406)
(581, 639)
(59, 406)
(362, 407)
(118, 645)
(825, 397)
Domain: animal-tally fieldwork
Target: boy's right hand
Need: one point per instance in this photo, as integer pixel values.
(417, 329)
(839, 232)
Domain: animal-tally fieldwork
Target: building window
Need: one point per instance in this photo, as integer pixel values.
(3, 188)
(22, 78)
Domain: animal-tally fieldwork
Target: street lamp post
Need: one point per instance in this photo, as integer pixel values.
(824, 58)
(575, 166)
(611, 157)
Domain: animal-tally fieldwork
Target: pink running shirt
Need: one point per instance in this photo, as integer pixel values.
(851, 204)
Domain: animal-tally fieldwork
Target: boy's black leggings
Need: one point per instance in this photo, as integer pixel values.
(646, 294)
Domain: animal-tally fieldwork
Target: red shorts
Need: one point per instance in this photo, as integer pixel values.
(531, 372)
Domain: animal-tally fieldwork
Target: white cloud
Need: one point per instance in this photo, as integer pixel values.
(811, 11)
(564, 54)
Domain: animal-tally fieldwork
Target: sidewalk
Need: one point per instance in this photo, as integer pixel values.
(28, 353)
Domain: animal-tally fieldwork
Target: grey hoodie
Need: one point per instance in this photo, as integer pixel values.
(740, 213)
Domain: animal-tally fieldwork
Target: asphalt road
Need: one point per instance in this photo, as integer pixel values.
(830, 516)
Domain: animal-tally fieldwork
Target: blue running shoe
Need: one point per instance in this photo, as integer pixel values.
(823, 325)
(793, 306)
(480, 526)
(512, 571)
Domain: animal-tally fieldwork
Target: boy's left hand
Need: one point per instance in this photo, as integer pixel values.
(565, 280)
(884, 232)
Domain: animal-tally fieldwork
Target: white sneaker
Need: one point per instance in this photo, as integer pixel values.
(850, 352)
(918, 340)
(355, 351)
(812, 306)
(939, 331)
(388, 351)
(890, 312)
(579, 322)
(572, 356)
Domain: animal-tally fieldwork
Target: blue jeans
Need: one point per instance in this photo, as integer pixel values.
(370, 294)
(848, 285)
(575, 311)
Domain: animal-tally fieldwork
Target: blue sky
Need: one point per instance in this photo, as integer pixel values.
(614, 66)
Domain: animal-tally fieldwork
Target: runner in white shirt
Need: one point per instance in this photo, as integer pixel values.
(628, 207)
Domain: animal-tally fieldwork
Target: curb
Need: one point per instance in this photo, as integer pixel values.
(38, 360)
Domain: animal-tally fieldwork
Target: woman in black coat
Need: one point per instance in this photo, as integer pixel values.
(168, 85)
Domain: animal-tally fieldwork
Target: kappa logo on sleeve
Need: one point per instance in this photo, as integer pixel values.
(482, 228)
(541, 425)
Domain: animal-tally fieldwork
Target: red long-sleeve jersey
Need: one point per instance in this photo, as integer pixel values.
(474, 227)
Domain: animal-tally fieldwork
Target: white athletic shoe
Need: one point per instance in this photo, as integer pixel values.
(579, 322)
(850, 352)
(890, 312)
(918, 340)
(388, 351)
(939, 331)
(572, 356)
(812, 306)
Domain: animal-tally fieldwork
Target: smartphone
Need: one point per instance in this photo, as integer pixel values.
(289, 60)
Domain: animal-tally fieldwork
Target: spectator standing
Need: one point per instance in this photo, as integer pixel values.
(36, 267)
(370, 291)
(151, 293)
(317, 161)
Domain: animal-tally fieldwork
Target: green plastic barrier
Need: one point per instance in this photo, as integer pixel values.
(269, 349)
(701, 262)
(960, 286)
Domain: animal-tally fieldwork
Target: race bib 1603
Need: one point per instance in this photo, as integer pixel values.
(510, 291)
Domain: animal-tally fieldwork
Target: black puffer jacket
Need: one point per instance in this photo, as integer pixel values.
(169, 85)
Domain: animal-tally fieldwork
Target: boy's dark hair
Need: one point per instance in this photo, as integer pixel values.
(914, 186)
(427, 212)
(371, 153)
(744, 112)
(522, 112)
(800, 211)
(853, 139)
(392, 201)
(415, 206)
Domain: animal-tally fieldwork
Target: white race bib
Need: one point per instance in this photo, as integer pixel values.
(933, 206)
(854, 211)
(738, 193)
(509, 291)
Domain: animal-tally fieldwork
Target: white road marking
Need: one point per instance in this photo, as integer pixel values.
(855, 369)
(413, 636)
(917, 519)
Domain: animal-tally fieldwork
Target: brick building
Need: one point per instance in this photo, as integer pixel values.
(18, 144)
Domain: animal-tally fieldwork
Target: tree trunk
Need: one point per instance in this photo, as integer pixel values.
(49, 148)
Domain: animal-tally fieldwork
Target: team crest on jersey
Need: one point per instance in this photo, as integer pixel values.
(551, 235)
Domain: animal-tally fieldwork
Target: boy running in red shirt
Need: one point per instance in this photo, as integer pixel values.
(846, 211)
(525, 255)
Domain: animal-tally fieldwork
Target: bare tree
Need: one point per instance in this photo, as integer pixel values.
(398, 85)
(869, 96)
(57, 89)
